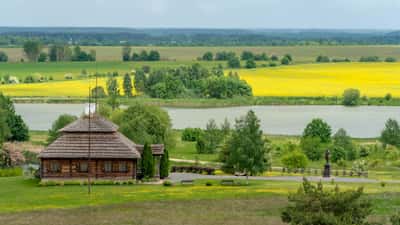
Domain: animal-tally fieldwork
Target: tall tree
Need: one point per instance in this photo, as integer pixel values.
(4, 131)
(140, 80)
(164, 165)
(127, 85)
(113, 92)
(126, 53)
(318, 128)
(32, 50)
(391, 133)
(3, 57)
(147, 162)
(245, 149)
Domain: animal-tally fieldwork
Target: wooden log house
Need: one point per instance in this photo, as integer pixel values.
(112, 155)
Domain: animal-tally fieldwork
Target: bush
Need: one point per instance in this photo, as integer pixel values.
(167, 183)
(388, 97)
(338, 153)
(351, 97)
(11, 172)
(370, 59)
(3, 57)
(322, 59)
(312, 147)
(390, 59)
(234, 62)
(209, 183)
(191, 134)
(295, 160)
(312, 204)
(395, 219)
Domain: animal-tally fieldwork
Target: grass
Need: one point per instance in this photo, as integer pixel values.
(19, 194)
(301, 54)
(372, 79)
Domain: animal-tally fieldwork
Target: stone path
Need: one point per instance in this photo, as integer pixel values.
(177, 177)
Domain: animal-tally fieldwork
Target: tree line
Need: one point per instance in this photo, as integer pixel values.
(128, 55)
(327, 59)
(192, 37)
(33, 50)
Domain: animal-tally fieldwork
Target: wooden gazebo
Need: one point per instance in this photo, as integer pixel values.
(101, 152)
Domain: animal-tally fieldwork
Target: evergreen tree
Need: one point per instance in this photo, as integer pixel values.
(19, 131)
(128, 85)
(4, 131)
(245, 149)
(140, 80)
(164, 165)
(126, 53)
(147, 164)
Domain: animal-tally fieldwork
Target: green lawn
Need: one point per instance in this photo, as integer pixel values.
(19, 194)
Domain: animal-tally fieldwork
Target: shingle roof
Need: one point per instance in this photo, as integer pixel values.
(105, 142)
(97, 124)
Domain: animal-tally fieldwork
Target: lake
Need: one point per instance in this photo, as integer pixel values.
(363, 121)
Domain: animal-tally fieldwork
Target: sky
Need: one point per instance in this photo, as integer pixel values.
(309, 14)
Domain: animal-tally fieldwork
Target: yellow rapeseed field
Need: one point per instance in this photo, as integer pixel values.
(372, 79)
(74, 88)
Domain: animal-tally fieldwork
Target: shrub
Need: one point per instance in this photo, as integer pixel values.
(338, 153)
(312, 147)
(191, 134)
(3, 57)
(11, 172)
(388, 97)
(370, 59)
(295, 160)
(312, 204)
(167, 183)
(390, 59)
(322, 59)
(209, 183)
(351, 97)
(395, 219)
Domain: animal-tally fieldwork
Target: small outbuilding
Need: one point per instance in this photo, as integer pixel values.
(98, 151)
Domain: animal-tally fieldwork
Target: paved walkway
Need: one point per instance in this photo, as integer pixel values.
(177, 177)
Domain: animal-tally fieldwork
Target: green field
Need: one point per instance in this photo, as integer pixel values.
(23, 199)
(301, 54)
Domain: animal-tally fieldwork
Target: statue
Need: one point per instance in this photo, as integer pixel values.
(327, 156)
(327, 167)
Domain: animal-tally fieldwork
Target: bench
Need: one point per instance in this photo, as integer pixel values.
(227, 182)
(187, 182)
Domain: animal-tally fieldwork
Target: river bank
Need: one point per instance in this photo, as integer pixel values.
(217, 103)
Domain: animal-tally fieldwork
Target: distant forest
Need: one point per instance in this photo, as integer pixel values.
(16, 36)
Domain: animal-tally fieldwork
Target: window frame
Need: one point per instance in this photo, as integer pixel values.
(123, 167)
(55, 166)
(80, 167)
(110, 168)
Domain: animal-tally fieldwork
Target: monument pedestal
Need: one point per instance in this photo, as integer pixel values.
(327, 170)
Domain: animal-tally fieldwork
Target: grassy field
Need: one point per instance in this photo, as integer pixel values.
(305, 80)
(301, 54)
(23, 199)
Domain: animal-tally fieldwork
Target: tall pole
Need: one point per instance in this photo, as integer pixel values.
(97, 90)
(89, 144)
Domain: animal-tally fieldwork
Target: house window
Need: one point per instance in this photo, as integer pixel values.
(107, 166)
(123, 168)
(83, 167)
(55, 167)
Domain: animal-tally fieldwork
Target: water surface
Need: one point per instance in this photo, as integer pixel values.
(364, 121)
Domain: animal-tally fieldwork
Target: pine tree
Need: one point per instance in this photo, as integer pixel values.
(164, 165)
(147, 162)
(128, 85)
